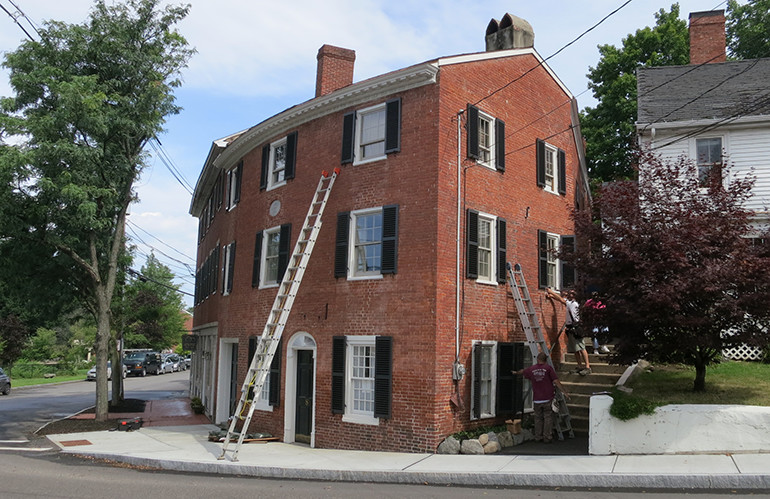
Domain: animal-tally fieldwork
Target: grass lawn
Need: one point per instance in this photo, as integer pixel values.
(16, 382)
(741, 383)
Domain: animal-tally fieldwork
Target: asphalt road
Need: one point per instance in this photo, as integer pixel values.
(28, 408)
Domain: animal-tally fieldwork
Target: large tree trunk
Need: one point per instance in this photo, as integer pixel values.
(102, 351)
(700, 377)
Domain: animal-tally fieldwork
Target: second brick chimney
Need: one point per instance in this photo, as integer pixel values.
(335, 69)
(707, 37)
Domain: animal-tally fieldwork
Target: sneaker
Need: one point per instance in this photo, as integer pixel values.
(596, 351)
(576, 371)
(585, 372)
(604, 349)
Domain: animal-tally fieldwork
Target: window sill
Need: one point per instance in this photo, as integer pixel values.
(360, 419)
(268, 286)
(487, 283)
(275, 186)
(369, 160)
(364, 277)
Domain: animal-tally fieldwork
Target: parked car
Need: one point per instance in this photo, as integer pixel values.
(91, 375)
(166, 365)
(154, 363)
(5, 383)
(187, 362)
(138, 363)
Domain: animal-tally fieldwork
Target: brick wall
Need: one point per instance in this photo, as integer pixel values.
(416, 306)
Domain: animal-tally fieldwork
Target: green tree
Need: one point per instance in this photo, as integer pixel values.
(748, 29)
(675, 266)
(42, 346)
(88, 97)
(154, 308)
(609, 128)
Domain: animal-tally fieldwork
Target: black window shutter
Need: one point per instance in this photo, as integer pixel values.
(284, 250)
(476, 381)
(472, 237)
(502, 255)
(253, 340)
(218, 191)
(389, 264)
(393, 126)
(473, 132)
(562, 167)
(540, 162)
(348, 140)
(542, 251)
(215, 272)
(238, 176)
(265, 167)
(338, 374)
(568, 278)
(341, 246)
(274, 390)
(231, 268)
(505, 379)
(383, 377)
(257, 260)
(291, 155)
(500, 145)
(519, 351)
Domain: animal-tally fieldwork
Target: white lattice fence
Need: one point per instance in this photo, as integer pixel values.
(743, 352)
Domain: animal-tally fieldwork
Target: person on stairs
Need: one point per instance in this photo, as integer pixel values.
(574, 343)
(543, 379)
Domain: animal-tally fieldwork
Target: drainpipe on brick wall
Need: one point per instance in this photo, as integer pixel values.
(459, 218)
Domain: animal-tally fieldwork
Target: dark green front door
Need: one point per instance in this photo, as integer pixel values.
(304, 418)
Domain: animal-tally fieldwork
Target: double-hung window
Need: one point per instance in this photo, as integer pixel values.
(270, 395)
(486, 139)
(367, 243)
(279, 160)
(362, 378)
(271, 256)
(551, 165)
(233, 185)
(553, 272)
(372, 133)
(495, 390)
(486, 247)
(228, 268)
(709, 159)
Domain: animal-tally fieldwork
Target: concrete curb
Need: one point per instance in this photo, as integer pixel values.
(593, 481)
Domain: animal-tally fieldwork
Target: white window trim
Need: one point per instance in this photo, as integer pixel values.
(263, 403)
(492, 278)
(231, 186)
(358, 155)
(349, 417)
(263, 258)
(493, 382)
(352, 276)
(492, 136)
(226, 269)
(557, 261)
(693, 148)
(270, 184)
(554, 152)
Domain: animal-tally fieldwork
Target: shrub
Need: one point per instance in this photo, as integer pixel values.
(626, 406)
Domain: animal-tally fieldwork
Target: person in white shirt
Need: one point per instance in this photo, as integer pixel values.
(574, 344)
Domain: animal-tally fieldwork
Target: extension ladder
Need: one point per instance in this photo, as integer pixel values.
(535, 339)
(279, 314)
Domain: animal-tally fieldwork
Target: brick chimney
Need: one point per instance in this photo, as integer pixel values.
(707, 37)
(335, 69)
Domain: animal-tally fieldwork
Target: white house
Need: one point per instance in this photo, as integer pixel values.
(711, 111)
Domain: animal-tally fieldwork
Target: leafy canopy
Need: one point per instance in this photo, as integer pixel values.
(748, 29)
(609, 127)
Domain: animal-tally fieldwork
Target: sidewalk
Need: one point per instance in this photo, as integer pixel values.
(173, 438)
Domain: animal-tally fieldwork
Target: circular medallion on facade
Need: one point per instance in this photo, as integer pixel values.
(275, 207)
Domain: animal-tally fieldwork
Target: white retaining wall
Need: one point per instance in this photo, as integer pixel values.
(679, 429)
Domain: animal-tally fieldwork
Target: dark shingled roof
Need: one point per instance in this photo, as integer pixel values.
(709, 91)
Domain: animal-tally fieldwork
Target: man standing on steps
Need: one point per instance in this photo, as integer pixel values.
(574, 344)
(543, 379)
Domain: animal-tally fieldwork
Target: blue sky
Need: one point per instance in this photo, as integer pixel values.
(258, 58)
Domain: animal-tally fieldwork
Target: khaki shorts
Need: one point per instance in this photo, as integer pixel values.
(575, 345)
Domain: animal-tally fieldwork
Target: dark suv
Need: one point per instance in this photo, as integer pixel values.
(141, 363)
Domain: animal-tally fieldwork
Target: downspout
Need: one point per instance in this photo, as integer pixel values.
(458, 370)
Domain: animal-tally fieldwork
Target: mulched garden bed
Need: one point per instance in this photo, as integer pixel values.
(86, 425)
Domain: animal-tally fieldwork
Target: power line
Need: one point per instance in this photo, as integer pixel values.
(169, 164)
(189, 269)
(144, 278)
(160, 241)
(554, 54)
(16, 15)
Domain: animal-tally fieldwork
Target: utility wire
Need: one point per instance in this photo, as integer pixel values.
(189, 269)
(554, 54)
(16, 15)
(144, 278)
(160, 241)
(169, 164)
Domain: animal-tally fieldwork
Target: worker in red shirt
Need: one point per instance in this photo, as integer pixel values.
(543, 378)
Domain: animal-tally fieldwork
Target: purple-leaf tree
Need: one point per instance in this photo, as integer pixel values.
(681, 268)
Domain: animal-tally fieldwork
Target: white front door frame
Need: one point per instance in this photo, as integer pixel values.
(224, 362)
(299, 341)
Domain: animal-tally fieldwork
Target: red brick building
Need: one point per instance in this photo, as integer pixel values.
(393, 300)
